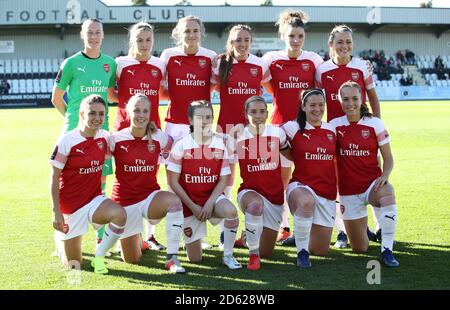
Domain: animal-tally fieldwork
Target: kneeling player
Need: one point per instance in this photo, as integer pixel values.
(361, 180)
(197, 172)
(136, 152)
(76, 187)
(311, 192)
(260, 195)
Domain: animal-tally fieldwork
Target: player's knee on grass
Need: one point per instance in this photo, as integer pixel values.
(318, 250)
(194, 251)
(132, 258)
(360, 248)
(267, 243)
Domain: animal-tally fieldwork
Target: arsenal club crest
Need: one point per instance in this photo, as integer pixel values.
(330, 137)
(154, 74)
(202, 63)
(151, 147)
(101, 145)
(305, 66)
(106, 68)
(355, 76)
(188, 232)
(365, 133)
(342, 209)
(254, 72)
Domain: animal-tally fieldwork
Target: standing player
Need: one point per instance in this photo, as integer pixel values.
(85, 73)
(237, 75)
(188, 74)
(340, 68)
(361, 180)
(197, 172)
(312, 191)
(290, 71)
(140, 73)
(136, 155)
(75, 187)
(260, 196)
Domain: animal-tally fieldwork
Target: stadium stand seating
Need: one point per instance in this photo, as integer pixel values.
(29, 76)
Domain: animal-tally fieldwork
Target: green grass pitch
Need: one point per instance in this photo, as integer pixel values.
(421, 146)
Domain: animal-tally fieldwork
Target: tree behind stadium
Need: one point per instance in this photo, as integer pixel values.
(139, 2)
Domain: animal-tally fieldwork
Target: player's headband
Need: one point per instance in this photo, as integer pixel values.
(310, 92)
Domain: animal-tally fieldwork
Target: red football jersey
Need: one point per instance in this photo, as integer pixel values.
(314, 152)
(330, 77)
(244, 81)
(137, 165)
(358, 145)
(135, 77)
(200, 167)
(81, 161)
(288, 77)
(188, 79)
(259, 162)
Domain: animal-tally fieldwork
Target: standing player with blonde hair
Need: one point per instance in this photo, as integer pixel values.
(188, 75)
(291, 71)
(140, 73)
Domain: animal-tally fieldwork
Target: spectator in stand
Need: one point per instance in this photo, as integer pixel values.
(400, 57)
(410, 57)
(409, 80)
(438, 63)
(406, 82)
(4, 87)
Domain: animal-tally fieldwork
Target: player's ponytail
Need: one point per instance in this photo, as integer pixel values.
(291, 18)
(226, 62)
(364, 110)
